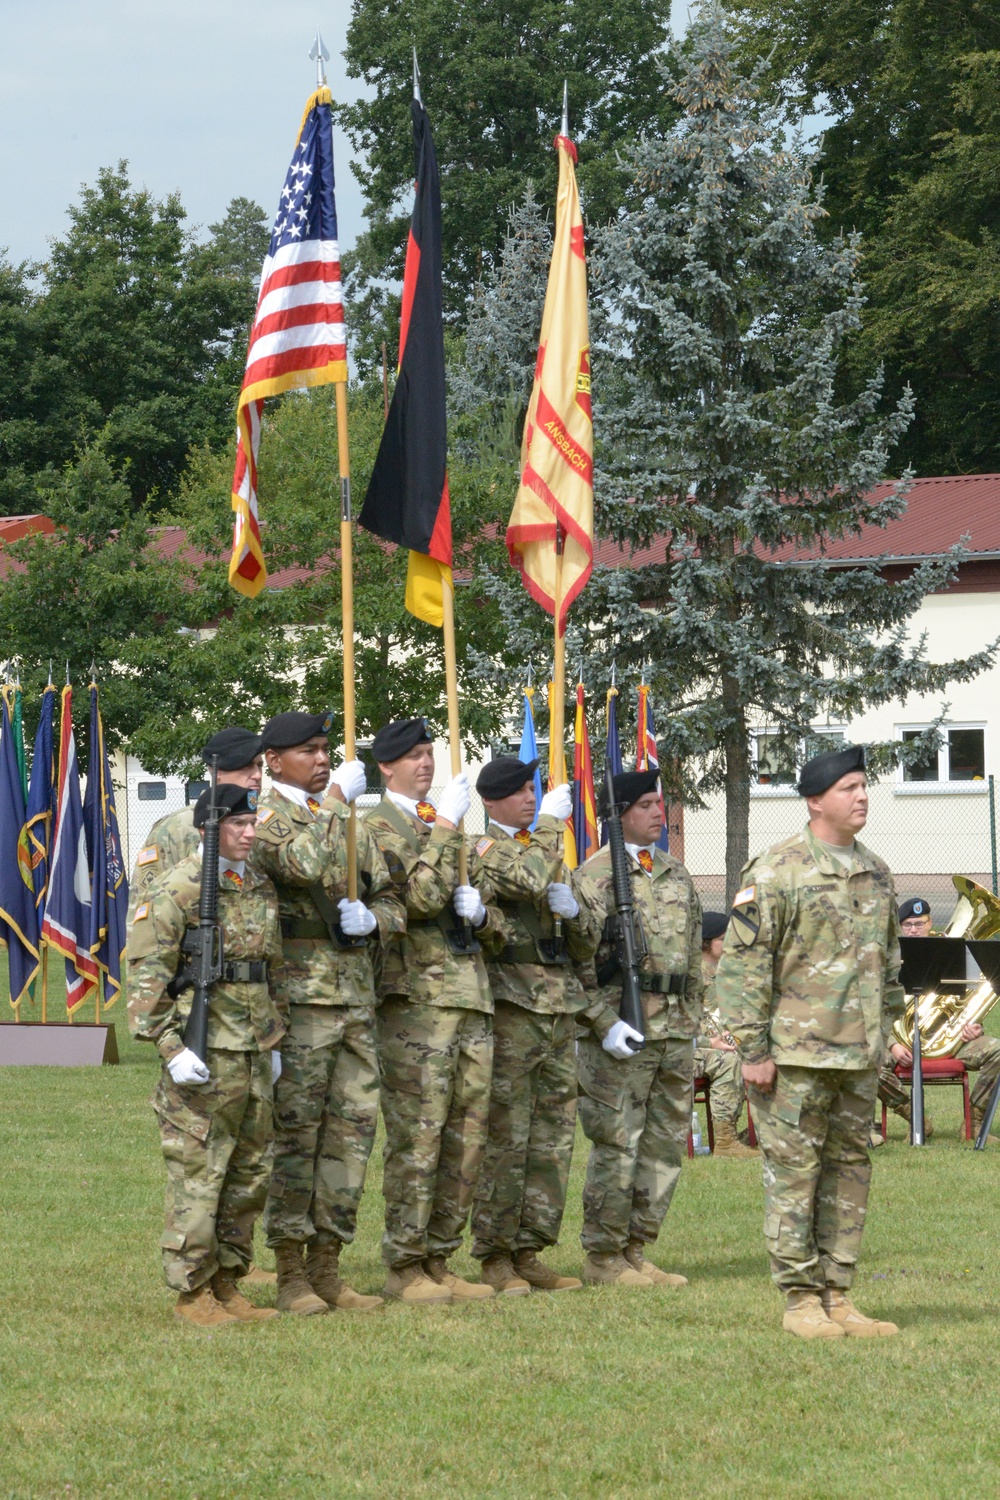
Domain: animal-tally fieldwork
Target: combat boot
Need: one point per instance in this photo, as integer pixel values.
(844, 1314)
(978, 1115)
(323, 1275)
(728, 1143)
(232, 1300)
(613, 1270)
(635, 1255)
(462, 1291)
(498, 1272)
(903, 1111)
(806, 1317)
(875, 1138)
(295, 1295)
(201, 1309)
(412, 1285)
(542, 1277)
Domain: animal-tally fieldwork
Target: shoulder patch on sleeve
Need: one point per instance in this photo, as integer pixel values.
(483, 845)
(749, 893)
(265, 816)
(141, 912)
(148, 856)
(745, 922)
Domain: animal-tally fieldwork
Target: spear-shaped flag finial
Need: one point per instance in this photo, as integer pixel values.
(416, 78)
(565, 117)
(321, 55)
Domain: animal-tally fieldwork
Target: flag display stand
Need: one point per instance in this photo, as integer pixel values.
(57, 1044)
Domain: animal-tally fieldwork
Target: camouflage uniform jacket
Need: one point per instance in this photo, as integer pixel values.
(171, 839)
(711, 1022)
(242, 1017)
(520, 874)
(299, 849)
(810, 969)
(670, 914)
(423, 862)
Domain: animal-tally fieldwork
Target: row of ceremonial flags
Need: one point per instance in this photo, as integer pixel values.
(62, 874)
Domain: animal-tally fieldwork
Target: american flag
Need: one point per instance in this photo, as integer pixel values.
(298, 338)
(646, 754)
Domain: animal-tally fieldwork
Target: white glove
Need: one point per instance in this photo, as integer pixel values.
(355, 918)
(453, 804)
(275, 1064)
(350, 777)
(562, 902)
(187, 1067)
(469, 905)
(558, 803)
(617, 1040)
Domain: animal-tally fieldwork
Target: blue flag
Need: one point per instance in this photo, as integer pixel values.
(528, 750)
(18, 918)
(613, 746)
(42, 802)
(66, 925)
(108, 885)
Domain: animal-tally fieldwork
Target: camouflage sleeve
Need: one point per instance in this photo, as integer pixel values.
(494, 932)
(302, 857)
(744, 981)
(425, 880)
(524, 872)
(152, 951)
(893, 994)
(583, 932)
(597, 1014)
(275, 958)
(696, 975)
(381, 896)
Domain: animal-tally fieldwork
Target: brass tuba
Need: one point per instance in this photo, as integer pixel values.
(943, 1013)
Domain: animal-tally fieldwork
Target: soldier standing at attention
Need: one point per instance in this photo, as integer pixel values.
(635, 1107)
(326, 1101)
(214, 1116)
(522, 1190)
(435, 1024)
(809, 987)
(716, 1058)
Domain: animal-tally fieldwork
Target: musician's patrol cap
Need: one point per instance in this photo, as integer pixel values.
(504, 776)
(819, 774)
(713, 925)
(629, 787)
(398, 738)
(234, 747)
(287, 730)
(230, 800)
(917, 906)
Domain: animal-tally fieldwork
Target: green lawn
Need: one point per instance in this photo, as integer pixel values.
(605, 1394)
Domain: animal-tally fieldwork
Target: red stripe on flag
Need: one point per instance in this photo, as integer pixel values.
(305, 270)
(298, 317)
(410, 275)
(440, 543)
(573, 456)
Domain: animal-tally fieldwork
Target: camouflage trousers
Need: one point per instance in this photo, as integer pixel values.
(325, 1116)
(813, 1132)
(529, 1146)
(724, 1072)
(436, 1066)
(980, 1056)
(637, 1115)
(216, 1141)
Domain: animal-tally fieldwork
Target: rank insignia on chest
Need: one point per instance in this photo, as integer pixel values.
(148, 856)
(141, 913)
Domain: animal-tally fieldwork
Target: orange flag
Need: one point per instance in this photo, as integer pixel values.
(555, 499)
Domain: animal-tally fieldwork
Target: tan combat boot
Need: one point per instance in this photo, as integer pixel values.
(846, 1316)
(904, 1114)
(636, 1257)
(806, 1317)
(201, 1309)
(295, 1295)
(541, 1277)
(498, 1272)
(412, 1285)
(613, 1270)
(728, 1143)
(977, 1124)
(323, 1275)
(232, 1300)
(462, 1291)
(257, 1277)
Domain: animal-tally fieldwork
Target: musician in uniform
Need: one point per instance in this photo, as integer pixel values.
(716, 1056)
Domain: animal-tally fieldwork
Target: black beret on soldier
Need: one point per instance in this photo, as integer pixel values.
(398, 738)
(629, 787)
(713, 925)
(285, 731)
(230, 800)
(504, 776)
(820, 773)
(234, 747)
(917, 906)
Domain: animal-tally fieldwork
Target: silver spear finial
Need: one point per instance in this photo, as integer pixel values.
(321, 56)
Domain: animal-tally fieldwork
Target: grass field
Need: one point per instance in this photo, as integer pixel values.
(605, 1394)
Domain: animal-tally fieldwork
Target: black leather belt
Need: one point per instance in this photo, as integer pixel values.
(249, 971)
(663, 984)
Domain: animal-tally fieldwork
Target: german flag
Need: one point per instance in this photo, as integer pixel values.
(407, 499)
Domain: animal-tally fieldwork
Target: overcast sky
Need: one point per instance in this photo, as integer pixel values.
(201, 96)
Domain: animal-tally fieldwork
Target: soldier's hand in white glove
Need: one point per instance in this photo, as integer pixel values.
(355, 918)
(557, 804)
(453, 804)
(617, 1041)
(562, 902)
(275, 1064)
(469, 905)
(187, 1067)
(350, 778)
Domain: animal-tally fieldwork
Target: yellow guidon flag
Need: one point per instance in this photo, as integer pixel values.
(554, 509)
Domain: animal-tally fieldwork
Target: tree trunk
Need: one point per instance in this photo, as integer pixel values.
(737, 749)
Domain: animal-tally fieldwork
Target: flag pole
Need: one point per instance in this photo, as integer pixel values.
(451, 689)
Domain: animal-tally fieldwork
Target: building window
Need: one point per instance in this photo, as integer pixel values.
(961, 756)
(194, 789)
(151, 791)
(777, 757)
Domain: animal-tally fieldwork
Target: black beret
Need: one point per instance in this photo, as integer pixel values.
(820, 773)
(229, 799)
(629, 787)
(713, 925)
(398, 738)
(235, 748)
(504, 776)
(917, 906)
(287, 730)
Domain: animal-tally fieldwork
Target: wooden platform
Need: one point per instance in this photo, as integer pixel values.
(30, 1044)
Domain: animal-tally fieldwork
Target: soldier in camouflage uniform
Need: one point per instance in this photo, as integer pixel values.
(434, 1021)
(214, 1116)
(326, 1101)
(522, 1190)
(635, 1107)
(716, 1056)
(808, 985)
